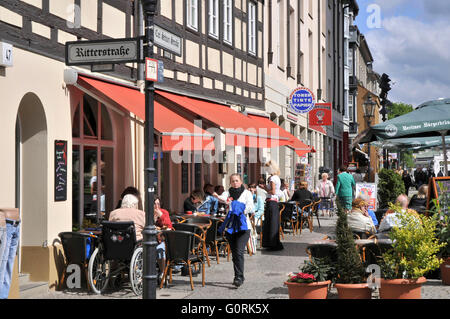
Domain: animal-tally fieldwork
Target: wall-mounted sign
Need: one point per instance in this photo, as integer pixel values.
(6, 54)
(321, 114)
(301, 100)
(167, 40)
(151, 69)
(60, 171)
(103, 51)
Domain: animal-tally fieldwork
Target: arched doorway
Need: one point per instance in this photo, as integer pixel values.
(93, 161)
(31, 172)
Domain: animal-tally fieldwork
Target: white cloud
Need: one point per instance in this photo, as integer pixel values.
(415, 55)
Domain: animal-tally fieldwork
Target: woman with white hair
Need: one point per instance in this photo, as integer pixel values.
(325, 189)
(271, 223)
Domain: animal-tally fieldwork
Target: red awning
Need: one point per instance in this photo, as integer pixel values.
(239, 129)
(299, 147)
(177, 132)
(318, 128)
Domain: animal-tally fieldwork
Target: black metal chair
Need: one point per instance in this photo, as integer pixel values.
(212, 238)
(179, 248)
(288, 215)
(315, 211)
(118, 245)
(304, 207)
(77, 248)
(322, 249)
(193, 228)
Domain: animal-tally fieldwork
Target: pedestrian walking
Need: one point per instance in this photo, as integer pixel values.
(237, 225)
(325, 189)
(344, 188)
(407, 181)
(271, 223)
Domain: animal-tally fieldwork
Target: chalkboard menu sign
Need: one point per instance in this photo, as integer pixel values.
(439, 189)
(60, 171)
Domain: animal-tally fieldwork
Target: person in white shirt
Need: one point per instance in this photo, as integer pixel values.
(271, 224)
(390, 218)
(358, 219)
(238, 239)
(325, 189)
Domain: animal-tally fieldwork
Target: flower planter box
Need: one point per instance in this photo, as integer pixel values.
(314, 290)
(401, 288)
(354, 291)
(445, 271)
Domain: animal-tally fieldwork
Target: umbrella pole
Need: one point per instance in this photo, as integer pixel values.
(443, 134)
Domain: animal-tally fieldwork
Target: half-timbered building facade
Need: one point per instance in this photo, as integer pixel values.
(45, 102)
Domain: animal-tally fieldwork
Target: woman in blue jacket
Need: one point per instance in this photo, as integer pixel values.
(237, 225)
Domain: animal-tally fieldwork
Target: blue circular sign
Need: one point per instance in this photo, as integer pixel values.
(302, 100)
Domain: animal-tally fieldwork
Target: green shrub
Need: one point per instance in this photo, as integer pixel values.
(349, 268)
(390, 185)
(414, 247)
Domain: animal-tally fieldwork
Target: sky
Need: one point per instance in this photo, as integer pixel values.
(410, 41)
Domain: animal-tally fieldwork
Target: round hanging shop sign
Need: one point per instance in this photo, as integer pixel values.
(302, 100)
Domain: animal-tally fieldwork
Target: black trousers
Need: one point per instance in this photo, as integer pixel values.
(238, 242)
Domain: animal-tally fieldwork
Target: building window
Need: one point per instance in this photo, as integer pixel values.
(228, 21)
(280, 38)
(252, 28)
(93, 161)
(350, 108)
(192, 14)
(214, 18)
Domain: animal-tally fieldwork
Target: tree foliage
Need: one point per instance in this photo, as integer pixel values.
(397, 109)
(390, 185)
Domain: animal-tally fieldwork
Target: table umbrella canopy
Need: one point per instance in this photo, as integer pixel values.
(411, 143)
(428, 119)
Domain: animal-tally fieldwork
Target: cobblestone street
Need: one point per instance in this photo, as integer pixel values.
(265, 273)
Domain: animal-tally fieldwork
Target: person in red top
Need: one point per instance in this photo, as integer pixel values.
(162, 222)
(161, 216)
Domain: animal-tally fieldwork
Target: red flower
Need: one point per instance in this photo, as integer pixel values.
(302, 278)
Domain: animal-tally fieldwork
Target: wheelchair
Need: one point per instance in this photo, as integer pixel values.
(117, 252)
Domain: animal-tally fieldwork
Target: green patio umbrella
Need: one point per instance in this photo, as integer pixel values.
(411, 143)
(430, 119)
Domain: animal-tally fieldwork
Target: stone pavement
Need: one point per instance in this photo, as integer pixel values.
(265, 273)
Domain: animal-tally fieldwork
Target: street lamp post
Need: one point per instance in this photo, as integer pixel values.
(369, 109)
(149, 276)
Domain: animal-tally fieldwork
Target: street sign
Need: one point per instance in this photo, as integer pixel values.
(103, 51)
(167, 40)
(302, 100)
(151, 69)
(321, 115)
(6, 54)
(160, 71)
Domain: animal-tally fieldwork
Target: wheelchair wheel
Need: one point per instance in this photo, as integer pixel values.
(136, 270)
(99, 270)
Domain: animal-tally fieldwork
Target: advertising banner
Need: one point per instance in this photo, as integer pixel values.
(369, 189)
(320, 114)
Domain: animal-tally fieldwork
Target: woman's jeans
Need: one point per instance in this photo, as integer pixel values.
(238, 242)
(7, 258)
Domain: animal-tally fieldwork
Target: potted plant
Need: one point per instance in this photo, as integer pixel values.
(350, 273)
(413, 253)
(313, 280)
(443, 234)
(390, 185)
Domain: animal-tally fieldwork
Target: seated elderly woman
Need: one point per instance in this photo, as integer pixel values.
(358, 218)
(390, 217)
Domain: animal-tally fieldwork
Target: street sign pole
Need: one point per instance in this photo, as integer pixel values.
(149, 232)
